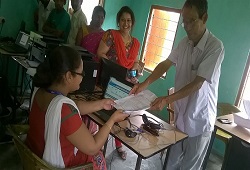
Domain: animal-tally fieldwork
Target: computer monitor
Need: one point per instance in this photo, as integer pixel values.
(37, 53)
(23, 39)
(91, 70)
(112, 69)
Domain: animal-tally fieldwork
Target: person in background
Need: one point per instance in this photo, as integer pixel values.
(197, 60)
(90, 36)
(78, 20)
(57, 133)
(42, 13)
(58, 22)
(120, 47)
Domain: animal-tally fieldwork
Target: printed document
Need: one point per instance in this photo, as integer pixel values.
(137, 102)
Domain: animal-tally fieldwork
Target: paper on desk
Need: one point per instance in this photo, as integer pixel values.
(137, 102)
(242, 119)
(31, 71)
(33, 64)
(246, 104)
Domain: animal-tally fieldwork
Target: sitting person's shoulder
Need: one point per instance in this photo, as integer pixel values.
(69, 108)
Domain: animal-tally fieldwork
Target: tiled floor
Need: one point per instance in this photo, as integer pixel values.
(9, 159)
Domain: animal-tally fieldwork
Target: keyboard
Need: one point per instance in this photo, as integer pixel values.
(12, 48)
(104, 115)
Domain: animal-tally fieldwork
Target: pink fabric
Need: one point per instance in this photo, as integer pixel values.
(93, 127)
(91, 42)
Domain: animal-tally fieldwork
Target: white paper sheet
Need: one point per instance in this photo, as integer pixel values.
(246, 104)
(137, 102)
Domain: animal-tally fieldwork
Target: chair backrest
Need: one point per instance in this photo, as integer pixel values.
(226, 108)
(170, 107)
(31, 161)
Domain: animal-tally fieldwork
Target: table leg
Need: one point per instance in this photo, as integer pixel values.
(138, 163)
(21, 85)
(7, 66)
(166, 158)
(16, 81)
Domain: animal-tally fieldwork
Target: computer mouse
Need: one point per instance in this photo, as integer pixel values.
(129, 133)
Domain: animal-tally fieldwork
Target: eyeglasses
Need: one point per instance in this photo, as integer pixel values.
(188, 23)
(80, 74)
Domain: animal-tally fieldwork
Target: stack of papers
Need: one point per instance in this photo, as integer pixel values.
(137, 102)
(31, 71)
(243, 118)
(33, 64)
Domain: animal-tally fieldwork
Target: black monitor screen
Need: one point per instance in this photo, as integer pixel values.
(111, 69)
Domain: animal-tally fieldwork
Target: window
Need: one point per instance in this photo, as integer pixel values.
(88, 6)
(244, 90)
(160, 35)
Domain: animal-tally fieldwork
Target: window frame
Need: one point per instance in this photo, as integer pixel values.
(157, 7)
(245, 77)
(69, 8)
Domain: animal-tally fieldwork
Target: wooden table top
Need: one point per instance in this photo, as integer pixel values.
(144, 144)
(233, 129)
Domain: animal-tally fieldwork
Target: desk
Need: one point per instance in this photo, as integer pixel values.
(234, 130)
(145, 145)
(8, 55)
(21, 62)
(238, 155)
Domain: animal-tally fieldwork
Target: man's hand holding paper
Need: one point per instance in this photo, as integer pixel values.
(141, 101)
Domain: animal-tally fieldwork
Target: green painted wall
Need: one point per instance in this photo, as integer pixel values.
(228, 23)
(228, 20)
(14, 12)
(112, 7)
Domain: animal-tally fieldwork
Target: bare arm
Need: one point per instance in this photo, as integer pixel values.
(187, 90)
(102, 50)
(79, 37)
(90, 145)
(87, 107)
(157, 73)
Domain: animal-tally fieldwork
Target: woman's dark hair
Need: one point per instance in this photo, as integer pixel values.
(56, 64)
(201, 6)
(98, 9)
(125, 9)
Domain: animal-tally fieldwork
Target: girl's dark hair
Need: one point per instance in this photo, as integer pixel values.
(56, 64)
(125, 9)
(201, 6)
(98, 9)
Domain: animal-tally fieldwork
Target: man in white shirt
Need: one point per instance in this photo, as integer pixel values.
(44, 9)
(78, 19)
(197, 60)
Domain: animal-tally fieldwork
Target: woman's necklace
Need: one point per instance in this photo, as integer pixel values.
(54, 92)
(126, 41)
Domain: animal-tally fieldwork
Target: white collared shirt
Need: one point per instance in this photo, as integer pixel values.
(43, 13)
(78, 19)
(196, 113)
